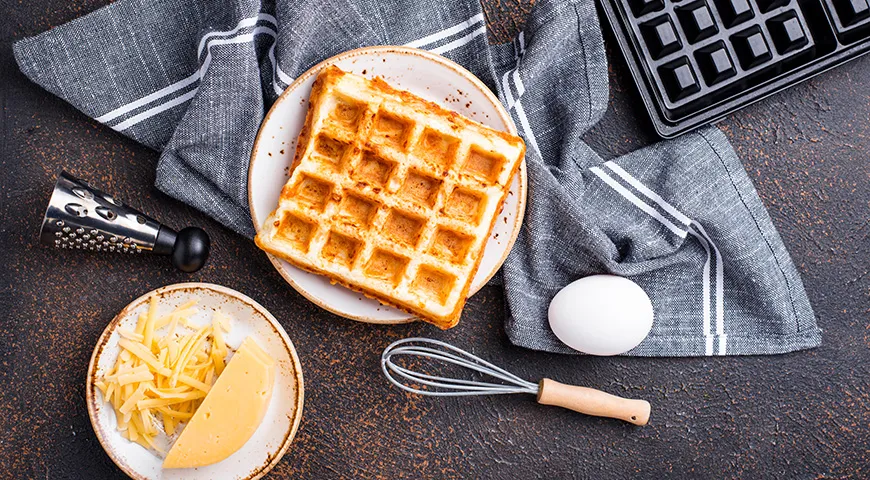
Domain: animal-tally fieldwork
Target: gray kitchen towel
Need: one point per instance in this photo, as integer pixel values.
(681, 218)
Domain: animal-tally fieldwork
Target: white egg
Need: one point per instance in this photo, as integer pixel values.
(601, 315)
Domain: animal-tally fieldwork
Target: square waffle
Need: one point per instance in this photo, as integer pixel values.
(391, 195)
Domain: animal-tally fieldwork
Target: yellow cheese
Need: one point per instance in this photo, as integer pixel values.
(141, 386)
(230, 413)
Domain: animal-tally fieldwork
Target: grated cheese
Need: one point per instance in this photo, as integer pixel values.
(166, 367)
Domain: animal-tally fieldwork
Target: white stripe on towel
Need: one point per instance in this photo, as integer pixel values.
(458, 42)
(514, 103)
(505, 86)
(148, 98)
(655, 197)
(246, 22)
(638, 202)
(720, 290)
(277, 88)
(707, 243)
(287, 79)
(154, 111)
(705, 293)
(181, 84)
(208, 40)
(530, 136)
(249, 37)
(461, 26)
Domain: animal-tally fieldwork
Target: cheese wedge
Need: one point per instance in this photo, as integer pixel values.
(231, 412)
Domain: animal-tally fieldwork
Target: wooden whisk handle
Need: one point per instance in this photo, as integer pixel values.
(593, 402)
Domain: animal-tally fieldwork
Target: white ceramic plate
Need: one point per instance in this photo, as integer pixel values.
(279, 426)
(428, 75)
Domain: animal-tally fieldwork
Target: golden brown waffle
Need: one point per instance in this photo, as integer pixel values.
(391, 195)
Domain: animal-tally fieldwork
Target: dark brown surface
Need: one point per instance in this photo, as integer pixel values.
(802, 415)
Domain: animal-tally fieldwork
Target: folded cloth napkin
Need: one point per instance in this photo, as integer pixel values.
(681, 218)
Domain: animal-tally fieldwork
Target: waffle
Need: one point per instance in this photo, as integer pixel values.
(391, 195)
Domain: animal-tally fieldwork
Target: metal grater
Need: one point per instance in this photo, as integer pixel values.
(80, 217)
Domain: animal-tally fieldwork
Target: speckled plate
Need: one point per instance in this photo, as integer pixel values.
(279, 426)
(426, 74)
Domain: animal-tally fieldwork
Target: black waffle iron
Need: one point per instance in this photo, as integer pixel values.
(696, 61)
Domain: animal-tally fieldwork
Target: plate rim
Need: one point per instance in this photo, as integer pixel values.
(102, 341)
(463, 72)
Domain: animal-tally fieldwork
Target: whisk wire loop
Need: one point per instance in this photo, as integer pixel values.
(466, 359)
(456, 387)
(436, 381)
(437, 355)
(445, 379)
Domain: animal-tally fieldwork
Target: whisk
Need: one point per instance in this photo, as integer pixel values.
(549, 392)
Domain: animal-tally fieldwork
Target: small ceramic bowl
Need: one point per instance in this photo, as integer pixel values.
(248, 318)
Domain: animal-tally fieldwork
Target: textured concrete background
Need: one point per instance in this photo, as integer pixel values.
(803, 415)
